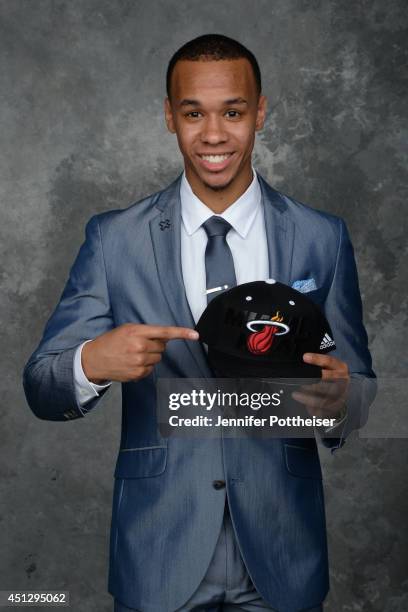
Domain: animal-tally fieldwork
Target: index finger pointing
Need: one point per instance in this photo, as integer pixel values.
(168, 332)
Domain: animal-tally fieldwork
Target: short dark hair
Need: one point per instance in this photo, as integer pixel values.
(209, 47)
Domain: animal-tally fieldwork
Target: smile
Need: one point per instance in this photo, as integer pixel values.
(215, 163)
(216, 159)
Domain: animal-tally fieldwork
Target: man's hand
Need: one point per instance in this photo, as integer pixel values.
(332, 368)
(325, 399)
(129, 352)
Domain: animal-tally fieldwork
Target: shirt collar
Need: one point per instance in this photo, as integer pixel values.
(240, 214)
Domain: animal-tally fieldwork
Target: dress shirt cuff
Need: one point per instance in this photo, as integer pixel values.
(85, 390)
(333, 437)
(341, 419)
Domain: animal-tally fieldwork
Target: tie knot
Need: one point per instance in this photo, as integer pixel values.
(216, 226)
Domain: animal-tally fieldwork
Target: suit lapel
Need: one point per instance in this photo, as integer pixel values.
(165, 234)
(280, 232)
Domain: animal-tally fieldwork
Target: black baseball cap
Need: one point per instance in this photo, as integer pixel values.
(262, 329)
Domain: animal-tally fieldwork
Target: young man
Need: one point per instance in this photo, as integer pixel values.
(216, 524)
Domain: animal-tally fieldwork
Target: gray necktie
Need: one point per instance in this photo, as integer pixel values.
(219, 265)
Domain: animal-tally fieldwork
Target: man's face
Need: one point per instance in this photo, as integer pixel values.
(215, 112)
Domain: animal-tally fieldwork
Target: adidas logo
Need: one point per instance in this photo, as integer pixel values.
(326, 342)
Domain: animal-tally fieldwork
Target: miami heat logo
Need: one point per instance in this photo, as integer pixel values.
(260, 341)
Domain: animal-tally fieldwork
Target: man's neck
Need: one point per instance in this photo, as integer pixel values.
(218, 200)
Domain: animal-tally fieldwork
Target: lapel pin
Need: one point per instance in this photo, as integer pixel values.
(165, 224)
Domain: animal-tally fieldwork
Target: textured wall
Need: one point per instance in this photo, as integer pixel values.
(82, 129)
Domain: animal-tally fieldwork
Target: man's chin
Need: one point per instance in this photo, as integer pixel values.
(217, 184)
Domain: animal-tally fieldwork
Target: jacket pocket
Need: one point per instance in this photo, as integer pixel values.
(302, 461)
(141, 462)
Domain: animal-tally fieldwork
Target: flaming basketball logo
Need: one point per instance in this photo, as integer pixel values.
(260, 341)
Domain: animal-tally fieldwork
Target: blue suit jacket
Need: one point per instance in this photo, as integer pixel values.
(166, 514)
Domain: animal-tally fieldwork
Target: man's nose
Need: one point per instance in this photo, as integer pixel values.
(213, 131)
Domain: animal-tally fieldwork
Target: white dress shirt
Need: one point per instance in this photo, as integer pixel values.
(246, 239)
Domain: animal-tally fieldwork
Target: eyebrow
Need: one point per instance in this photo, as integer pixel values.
(189, 102)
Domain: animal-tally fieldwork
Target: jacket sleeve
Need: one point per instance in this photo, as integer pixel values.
(343, 309)
(82, 313)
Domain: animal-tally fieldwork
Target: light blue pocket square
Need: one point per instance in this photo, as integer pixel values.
(304, 286)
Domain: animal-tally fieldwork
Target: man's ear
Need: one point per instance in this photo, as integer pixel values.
(168, 113)
(261, 113)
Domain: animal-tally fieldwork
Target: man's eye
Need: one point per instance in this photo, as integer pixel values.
(193, 114)
(233, 114)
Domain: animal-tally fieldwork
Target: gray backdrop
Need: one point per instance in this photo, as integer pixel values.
(82, 130)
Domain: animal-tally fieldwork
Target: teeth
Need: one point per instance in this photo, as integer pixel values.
(215, 159)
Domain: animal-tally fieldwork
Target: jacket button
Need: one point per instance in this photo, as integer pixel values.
(219, 484)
